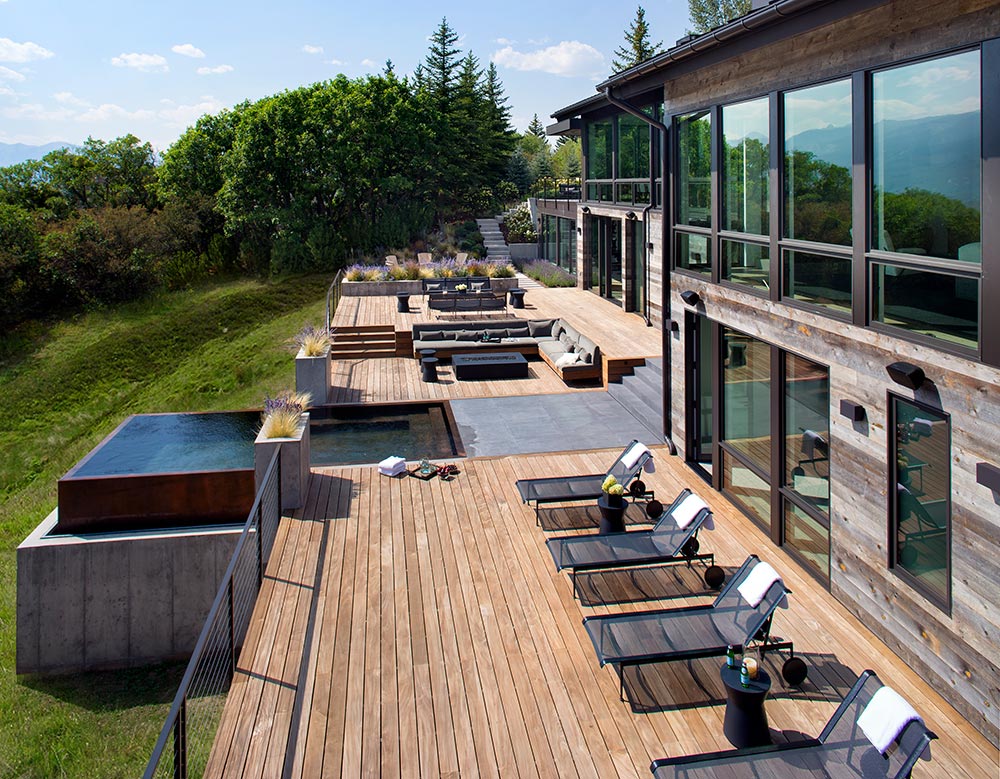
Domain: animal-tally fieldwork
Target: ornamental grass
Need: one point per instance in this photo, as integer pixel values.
(313, 341)
(283, 413)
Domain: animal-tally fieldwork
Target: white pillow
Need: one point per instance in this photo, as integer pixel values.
(567, 359)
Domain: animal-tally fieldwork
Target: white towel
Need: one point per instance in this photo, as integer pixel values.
(688, 509)
(884, 718)
(631, 457)
(392, 466)
(758, 582)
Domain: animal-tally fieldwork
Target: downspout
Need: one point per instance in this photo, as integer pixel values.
(664, 242)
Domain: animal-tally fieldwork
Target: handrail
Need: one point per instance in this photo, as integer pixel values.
(223, 607)
(551, 188)
(333, 298)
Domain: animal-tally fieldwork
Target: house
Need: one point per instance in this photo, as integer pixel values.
(806, 202)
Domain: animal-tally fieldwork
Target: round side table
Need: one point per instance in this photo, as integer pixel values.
(428, 367)
(517, 297)
(403, 302)
(612, 517)
(745, 724)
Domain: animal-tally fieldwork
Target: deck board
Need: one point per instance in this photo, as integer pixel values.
(446, 644)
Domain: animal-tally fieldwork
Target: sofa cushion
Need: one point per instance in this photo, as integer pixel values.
(496, 332)
(519, 332)
(586, 348)
(552, 349)
(557, 329)
(466, 335)
(571, 332)
(567, 360)
(569, 344)
(519, 341)
(540, 327)
(434, 286)
(431, 335)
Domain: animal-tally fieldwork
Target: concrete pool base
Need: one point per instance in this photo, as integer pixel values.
(112, 600)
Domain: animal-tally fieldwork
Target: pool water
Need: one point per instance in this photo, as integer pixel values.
(176, 443)
(369, 434)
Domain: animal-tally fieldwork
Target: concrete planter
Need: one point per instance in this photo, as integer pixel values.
(524, 251)
(314, 375)
(390, 288)
(294, 463)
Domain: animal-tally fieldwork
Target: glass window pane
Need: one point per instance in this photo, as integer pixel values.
(605, 192)
(746, 489)
(693, 252)
(818, 279)
(633, 147)
(641, 193)
(818, 163)
(694, 152)
(599, 149)
(747, 397)
(926, 163)
(921, 469)
(745, 167)
(592, 192)
(624, 193)
(567, 244)
(934, 304)
(810, 538)
(746, 263)
(807, 431)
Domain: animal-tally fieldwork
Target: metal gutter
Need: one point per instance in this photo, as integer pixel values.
(762, 17)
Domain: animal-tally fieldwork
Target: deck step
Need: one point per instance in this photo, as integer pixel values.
(641, 395)
(357, 354)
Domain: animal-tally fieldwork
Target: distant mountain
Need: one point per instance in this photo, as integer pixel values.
(13, 153)
(950, 145)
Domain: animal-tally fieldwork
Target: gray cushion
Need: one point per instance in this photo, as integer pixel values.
(431, 335)
(552, 349)
(519, 341)
(567, 342)
(539, 327)
(572, 332)
(434, 286)
(519, 332)
(557, 329)
(466, 335)
(585, 356)
(496, 332)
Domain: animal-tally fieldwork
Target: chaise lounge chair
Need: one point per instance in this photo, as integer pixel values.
(687, 633)
(842, 749)
(567, 489)
(673, 539)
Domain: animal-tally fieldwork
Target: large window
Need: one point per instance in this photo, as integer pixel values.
(747, 398)
(694, 140)
(745, 167)
(935, 304)
(920, 508)
(600, 145)
(633, 147)
(559, 241)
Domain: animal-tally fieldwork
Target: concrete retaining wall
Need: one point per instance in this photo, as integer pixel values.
(115, 599)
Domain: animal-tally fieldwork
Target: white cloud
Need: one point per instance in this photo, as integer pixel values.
(6, 91)
(106, 111)
(310, 49)
(368, 63)
(335, 62)
(36, 111)
(505, 41)
(930, 76)
(187, 115)
(68, 98)
(148, 63)
(187, 50)
(10, 51)
(568, 58)
(6, 74)
(215, 70)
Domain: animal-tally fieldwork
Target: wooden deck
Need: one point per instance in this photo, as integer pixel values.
(411, 628)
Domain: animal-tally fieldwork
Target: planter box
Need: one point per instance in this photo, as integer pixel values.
(294, 463)
(524, 251)
(314, 375)
(390, 288)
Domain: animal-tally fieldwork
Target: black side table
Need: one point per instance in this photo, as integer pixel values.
(746, 721)
(428, 353)
(612, 517)
(428, 366)
(403, 302)
(517, 297)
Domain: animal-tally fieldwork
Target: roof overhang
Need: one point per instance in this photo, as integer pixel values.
(571, 126)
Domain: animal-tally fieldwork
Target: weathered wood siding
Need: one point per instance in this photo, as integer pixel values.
(957, 652)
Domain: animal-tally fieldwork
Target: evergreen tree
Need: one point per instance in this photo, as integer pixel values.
(708, 14)
(637, 47)
(497, 126)
(536, 128)
(518, 172)
(442, 62)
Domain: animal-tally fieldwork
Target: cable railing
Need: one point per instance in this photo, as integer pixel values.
(333, 298)
(184, 747)
(548, 188)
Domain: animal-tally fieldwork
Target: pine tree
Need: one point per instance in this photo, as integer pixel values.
(708, 14)
(442, 62)
(637, 47)
(536, 128)
(501, 136)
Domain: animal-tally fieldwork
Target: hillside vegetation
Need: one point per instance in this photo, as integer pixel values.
(67, 386)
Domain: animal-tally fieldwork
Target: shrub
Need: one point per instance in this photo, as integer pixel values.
(520, 228)
(282, 414)
(313, 341)
(548, 274)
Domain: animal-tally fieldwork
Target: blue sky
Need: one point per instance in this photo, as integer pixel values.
(69, 68)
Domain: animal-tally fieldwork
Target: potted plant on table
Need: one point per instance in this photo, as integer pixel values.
(614, 491)
(285, 424)
(312, 363)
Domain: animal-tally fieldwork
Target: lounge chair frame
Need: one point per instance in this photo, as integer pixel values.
(910, 745)
(588, 486)
(758, 637)
(684, 551)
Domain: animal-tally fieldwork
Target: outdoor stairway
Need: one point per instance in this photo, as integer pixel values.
(496, 246)
(363, 341)
(641, 394)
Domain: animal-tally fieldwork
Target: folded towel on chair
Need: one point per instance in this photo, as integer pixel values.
(392, 466)
(758, 582)
(634, 453)
(685, 513)
(884, 718)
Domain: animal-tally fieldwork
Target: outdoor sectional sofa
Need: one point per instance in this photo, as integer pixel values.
(572, 355)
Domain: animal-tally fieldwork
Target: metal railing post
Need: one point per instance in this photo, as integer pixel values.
(180, 742)
(260, 547)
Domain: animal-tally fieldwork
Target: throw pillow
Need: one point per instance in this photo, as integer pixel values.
(477, 286)
(434, 287)
(567, 359)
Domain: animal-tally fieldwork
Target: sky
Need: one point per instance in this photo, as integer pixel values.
(70, 69)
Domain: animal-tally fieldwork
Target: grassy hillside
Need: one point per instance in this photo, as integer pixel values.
(68, 386)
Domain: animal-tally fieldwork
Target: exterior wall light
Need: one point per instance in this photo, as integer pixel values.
(631, 216)
(853, 411)
(585, 209)
(691, 297)
(988, 475)
(906, 374)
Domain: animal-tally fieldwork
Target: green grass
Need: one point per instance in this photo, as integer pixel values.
(65, 387)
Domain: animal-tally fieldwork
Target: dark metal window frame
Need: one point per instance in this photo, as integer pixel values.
(891, 525)
(655, 195)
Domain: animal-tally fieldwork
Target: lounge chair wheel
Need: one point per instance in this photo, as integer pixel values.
(637, 489)
(794, 671)
(714, 576)
(654, 509)
(691, 547)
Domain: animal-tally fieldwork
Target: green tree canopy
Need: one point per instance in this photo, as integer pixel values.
(637, 47)
(708, 14)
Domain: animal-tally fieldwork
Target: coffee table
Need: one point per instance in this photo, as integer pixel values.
(495, 365)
